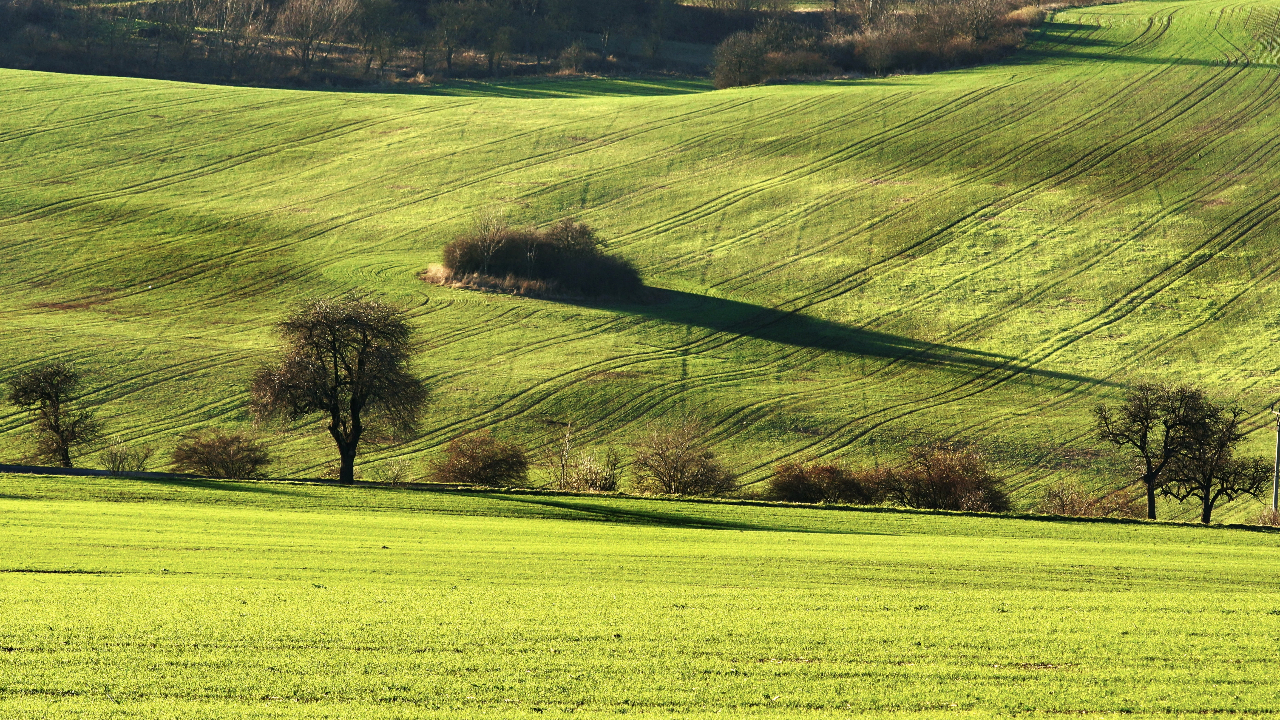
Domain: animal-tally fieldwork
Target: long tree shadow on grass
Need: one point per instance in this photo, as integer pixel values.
(601, 512)
(732, 319)
(216, 485)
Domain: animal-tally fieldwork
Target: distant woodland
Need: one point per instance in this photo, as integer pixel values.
(351, 43)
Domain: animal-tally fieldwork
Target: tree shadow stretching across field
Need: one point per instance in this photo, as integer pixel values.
(219, 485)
(791, 328)
(594, 512)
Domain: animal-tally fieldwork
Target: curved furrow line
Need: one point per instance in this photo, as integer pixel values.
(1072, 170)
(223, 165)
(687, 145)
(28, 132)
(1254, 160)
(368, 212)
(1018, 153)
(197, 138)
(730, 198)
(930, 154)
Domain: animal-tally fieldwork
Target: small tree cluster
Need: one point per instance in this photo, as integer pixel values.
(1185, 444)
(481, 459)
(567, 258)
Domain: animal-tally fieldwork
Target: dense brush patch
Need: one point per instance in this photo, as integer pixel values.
(566, 259)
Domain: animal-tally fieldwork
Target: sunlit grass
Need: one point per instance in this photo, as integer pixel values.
(852, 267)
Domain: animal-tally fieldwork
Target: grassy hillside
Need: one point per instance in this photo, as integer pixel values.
(146, 600)
(850, 266)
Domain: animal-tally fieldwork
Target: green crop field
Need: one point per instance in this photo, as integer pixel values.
(134, 599)
(848, 267)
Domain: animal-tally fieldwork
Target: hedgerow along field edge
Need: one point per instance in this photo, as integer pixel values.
(849, 267)
(129, 598)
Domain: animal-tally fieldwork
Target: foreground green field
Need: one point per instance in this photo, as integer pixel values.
(129, 599)
(850, 267)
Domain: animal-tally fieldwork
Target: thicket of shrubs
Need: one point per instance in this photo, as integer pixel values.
(220, 454)
(350, 42)
(482, 459)
(877, 37)
(935, 477)
(567, 259)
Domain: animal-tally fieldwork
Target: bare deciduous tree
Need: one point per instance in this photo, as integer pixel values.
(1155, 421)
(1206, 468)
(678, 461)
(311, 23)
(238, 25)
(48, 392)
(347, 358)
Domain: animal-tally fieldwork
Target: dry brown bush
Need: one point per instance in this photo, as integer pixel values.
(1067, 497)
(822, 482)
(944, 477)
(676, 460)
(481, 459)
(220, 454)
(1268, 517)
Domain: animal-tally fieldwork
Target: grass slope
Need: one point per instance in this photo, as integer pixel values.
(851, 266)
(133, 599)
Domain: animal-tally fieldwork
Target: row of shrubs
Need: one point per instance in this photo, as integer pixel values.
(673, 461)
(878, 38)
(937, 477)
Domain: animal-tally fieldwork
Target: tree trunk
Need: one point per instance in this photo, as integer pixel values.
(1206, 509)
(64, 456)
(347, 468)
(1151, 498)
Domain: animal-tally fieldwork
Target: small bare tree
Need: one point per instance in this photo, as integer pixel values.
(48, 392)
(1206, 468)
(310, 24)
(677, 461)
(119, 457)
(348, 359)
(1155, 421)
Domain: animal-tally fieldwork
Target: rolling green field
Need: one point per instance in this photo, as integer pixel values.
(848, 267)
(130, 599)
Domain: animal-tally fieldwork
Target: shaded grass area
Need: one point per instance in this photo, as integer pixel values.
(207, 601)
